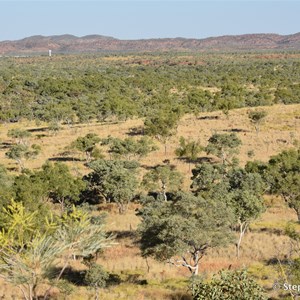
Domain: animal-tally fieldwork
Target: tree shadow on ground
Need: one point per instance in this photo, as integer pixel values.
(208, 118)
(273, 261)
(135, 131)
(204, 159)
(5, 145)
(276, 231)
(43, 129)
(71, 275)
(235, 130)
(124, 234)
(63, 159)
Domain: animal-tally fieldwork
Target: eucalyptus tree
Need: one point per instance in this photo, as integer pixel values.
(86, 144)
(163, 179)
(257, 117)
(189, 150)
(162, 124)
(181, 231)
(224, 146)
(113, 181)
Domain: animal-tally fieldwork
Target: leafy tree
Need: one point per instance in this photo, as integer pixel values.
(115, 181)
(162, 125)
(224, 146)
(29, 267)
(96, 278)
(182, 230)
(6, 182)
(86, 144)
(163, 179)
(283, 177)
(245, 198)
(188, 150)
(19, 151)
(257, 117)
(19, 134)
(231, 285)
(61, 185)
(240, 190)
(130, 147)
(206, 177)
(199, 101)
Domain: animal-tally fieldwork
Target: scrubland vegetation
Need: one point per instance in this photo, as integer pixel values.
(150, 176)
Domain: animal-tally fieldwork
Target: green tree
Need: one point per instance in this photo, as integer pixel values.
(224, 146)
(60, 184)
(240, 190)
(257, 117)
(6, 182)
(182, 230)
(163, 179)
(162, 125)
(19, 135)
(96, 277)
(206, 177)
(231, 285)
(245, 192)
(283, 177)
(19, 152)
(86, 144)
(115, 181)
(189, 150)
(130, 148)
(29, 267)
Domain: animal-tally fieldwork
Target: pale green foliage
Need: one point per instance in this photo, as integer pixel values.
(163, 179)
(130, 148)
(96, 277)
(188, 149)
(180, 231)
(162, 125)
(20, 151)
(28, 267)
(257, 117)
(83, 236)
(224, 146)
(229, 285)
(19, 134)
(283, 176)
(240, 190)
(114, 180)
(18, 225)
(86, 144)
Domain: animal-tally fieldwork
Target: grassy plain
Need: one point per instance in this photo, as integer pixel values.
(141, 279)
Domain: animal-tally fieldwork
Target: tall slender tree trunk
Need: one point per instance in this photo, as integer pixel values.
(164, 188)
(298, 214)
(242, 228)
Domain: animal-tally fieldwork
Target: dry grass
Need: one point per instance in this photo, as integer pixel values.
(264, 242)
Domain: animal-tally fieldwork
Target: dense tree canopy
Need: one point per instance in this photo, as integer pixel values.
(181, 230)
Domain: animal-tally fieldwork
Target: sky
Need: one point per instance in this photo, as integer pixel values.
(147, 19)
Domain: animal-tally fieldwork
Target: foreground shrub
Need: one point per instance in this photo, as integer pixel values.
(229, 285)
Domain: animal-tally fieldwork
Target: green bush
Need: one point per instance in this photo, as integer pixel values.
(228, 285)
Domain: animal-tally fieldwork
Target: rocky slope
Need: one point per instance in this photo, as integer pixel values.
(97, 43)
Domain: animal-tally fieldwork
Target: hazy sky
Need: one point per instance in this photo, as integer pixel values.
(147, 19)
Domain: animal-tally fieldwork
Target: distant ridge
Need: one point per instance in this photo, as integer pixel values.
(97, 43)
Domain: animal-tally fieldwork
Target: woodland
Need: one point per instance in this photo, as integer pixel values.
(150, 176)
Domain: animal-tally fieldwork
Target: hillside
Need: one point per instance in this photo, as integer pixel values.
(265, 241)
(97, 43)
